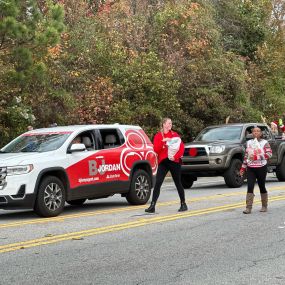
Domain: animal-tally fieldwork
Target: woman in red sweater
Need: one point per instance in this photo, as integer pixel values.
(168, 161)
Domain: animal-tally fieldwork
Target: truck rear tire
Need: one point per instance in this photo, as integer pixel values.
(231, 176)
(280, 170)
(140, 188)
(187, 181)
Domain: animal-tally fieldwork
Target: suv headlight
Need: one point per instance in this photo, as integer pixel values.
(217, 148)
(19, 169)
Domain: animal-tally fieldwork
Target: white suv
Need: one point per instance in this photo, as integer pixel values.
(44, 168)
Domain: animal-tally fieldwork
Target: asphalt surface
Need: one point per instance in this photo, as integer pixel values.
(109, 242)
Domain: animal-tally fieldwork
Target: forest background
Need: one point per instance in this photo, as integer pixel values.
(136, 61)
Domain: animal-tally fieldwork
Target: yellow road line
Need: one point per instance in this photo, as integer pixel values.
(62, 218)
(120, 227)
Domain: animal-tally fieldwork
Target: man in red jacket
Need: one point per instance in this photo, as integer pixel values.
(167, 161)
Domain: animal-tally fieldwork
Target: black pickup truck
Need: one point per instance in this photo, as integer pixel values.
(219, 150)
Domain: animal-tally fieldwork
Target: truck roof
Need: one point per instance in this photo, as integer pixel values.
(237, 125)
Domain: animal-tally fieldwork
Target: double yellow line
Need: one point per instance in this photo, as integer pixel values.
(62, 218)
(120, 227)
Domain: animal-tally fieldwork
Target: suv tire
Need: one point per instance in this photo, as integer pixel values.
(140, 188)
(231, 176)
(77, 202)
(51, 197)
(186, 181)
(280, 170)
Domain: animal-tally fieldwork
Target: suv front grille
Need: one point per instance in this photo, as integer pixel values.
(3, 174)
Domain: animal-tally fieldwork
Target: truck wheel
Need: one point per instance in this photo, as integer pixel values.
(77, 202)
(280, 170)
(186, 181)
(231, 176)
(51, 197)
(140, 188)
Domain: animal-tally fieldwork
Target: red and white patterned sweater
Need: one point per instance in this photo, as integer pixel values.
(256, 157)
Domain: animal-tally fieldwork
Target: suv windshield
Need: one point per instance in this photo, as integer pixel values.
(39, 142)
(227, 133)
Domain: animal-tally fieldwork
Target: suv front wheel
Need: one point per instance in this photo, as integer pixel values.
(140, 188)
(51, 197)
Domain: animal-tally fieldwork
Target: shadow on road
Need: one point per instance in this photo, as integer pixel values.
(93, 205)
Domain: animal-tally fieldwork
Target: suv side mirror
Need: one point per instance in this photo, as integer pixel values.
(77, 147)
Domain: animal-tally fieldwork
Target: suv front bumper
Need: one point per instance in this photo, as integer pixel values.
(26, 201)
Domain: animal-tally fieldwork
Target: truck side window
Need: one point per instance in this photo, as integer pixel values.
(248, 133)
(265, 132)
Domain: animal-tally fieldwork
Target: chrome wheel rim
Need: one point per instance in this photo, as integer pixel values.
(53, 196)
(142, 188)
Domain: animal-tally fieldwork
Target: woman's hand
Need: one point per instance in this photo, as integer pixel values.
(241, 172)
(166, 139)
(170, 157)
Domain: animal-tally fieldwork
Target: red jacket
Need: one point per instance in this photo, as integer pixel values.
(160, 147)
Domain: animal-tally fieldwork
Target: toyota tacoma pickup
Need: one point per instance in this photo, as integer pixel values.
(219, 151)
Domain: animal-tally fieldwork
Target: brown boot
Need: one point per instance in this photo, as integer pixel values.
(264, 202)
(249, 202)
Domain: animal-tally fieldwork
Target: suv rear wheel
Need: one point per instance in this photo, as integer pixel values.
(140, 188)
(51, 197)
(231, 176)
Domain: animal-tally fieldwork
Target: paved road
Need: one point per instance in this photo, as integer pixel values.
(108, 242)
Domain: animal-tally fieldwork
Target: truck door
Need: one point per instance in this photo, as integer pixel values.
(273, 144)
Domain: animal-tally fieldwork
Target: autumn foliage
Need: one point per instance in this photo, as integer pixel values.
(131, 61)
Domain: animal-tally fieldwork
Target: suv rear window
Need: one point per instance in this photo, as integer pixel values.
(111, 138)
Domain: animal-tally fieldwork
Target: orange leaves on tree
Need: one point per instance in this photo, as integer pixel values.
(191, 11)
(197, 47)
(55, 51)
(95, 101)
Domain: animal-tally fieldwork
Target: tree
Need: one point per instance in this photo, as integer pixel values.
(243, 25)
(28, 30)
